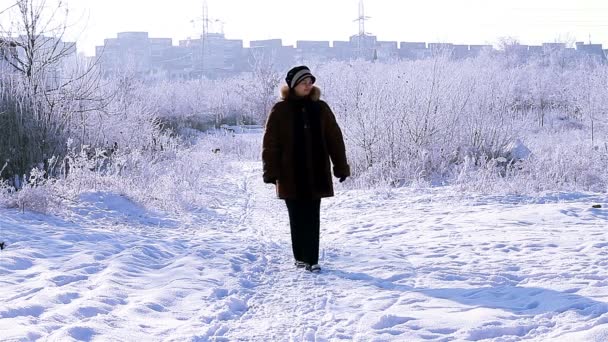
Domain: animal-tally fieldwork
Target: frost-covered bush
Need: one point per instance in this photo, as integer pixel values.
(481, 124)
(6, 190)
(177, 179)
(206, 104)
(440, 121)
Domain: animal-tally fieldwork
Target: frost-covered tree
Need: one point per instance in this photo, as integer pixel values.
(46, 89)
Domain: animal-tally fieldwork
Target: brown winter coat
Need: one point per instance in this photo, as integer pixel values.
(296, 155)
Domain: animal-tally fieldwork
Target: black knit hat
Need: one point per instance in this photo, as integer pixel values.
(297, 75)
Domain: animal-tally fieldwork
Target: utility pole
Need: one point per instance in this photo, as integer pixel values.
(206, 32)
(362, 34)
(204, 36)
(362, 18)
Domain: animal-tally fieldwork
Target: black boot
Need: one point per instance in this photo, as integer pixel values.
(313, 268)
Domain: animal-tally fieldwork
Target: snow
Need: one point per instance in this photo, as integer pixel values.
(398, 265)
(517, 150)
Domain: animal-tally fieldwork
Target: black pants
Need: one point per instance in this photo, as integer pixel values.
(304, 220)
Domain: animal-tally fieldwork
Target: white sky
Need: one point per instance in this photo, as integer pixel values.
(456, 21)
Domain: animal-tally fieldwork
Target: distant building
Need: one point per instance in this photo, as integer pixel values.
(176, 63)
(549, 48)
(595, 51)
(129, 51)
(412, 50)
(387, 51)
(342, 50)
(460, 51)
(443, 49)
(51, 53)
(476, 50)
(266, 44)
(212, 56)
(8, 55)
(307, 50)
(534, 50)
(215, 56)
(364, 46)
(270, 53)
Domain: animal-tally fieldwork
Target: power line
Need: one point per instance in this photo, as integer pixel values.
(6, 9)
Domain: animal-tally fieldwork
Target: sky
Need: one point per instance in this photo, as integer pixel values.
(454, 21)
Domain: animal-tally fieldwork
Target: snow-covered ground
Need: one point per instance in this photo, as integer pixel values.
(401, 265)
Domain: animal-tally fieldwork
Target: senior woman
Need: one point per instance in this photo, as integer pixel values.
(301, 138)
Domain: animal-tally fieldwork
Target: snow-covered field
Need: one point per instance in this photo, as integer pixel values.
(400, 265)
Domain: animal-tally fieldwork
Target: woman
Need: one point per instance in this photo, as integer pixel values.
(301, 137)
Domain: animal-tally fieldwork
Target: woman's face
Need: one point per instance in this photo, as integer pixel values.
(304, 87)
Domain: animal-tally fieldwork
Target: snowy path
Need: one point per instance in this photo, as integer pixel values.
(405, 266)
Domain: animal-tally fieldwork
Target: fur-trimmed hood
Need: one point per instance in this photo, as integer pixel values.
(315, 93)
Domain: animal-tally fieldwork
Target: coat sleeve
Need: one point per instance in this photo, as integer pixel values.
(335, 145)
(271, 147)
